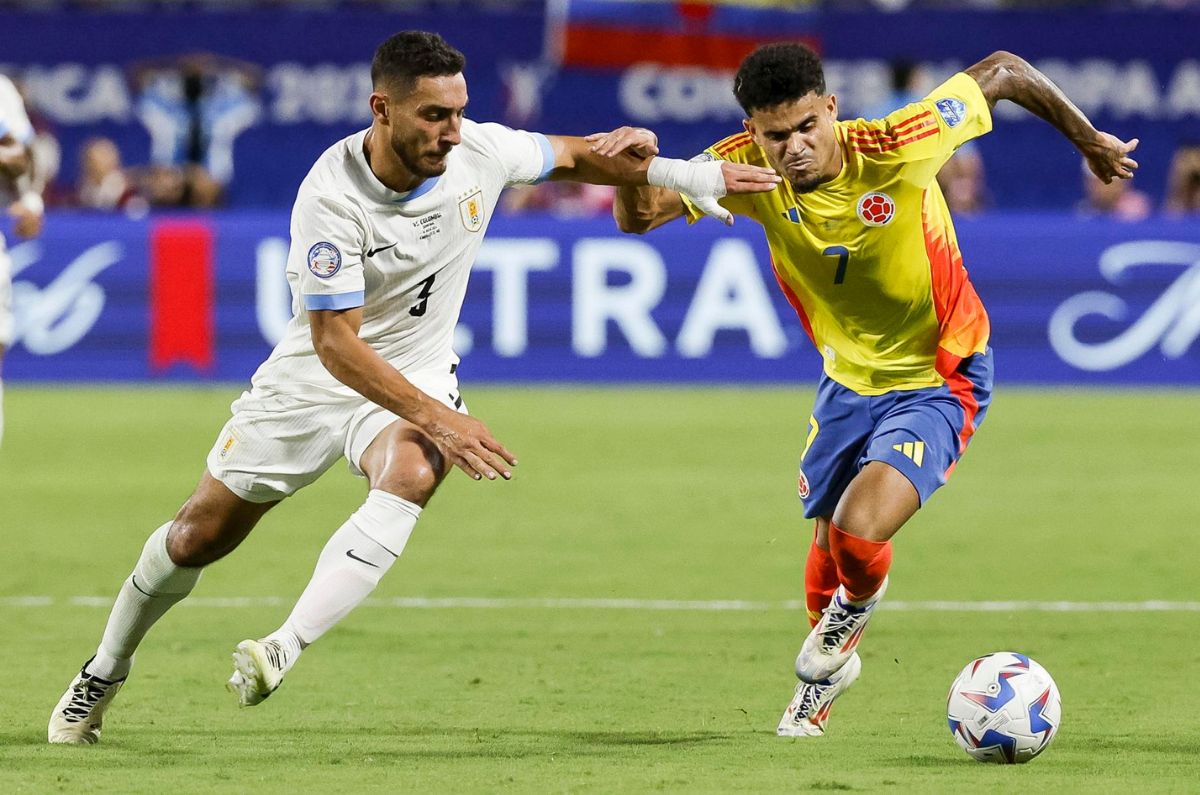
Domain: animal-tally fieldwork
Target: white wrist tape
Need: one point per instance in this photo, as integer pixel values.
(698, 180)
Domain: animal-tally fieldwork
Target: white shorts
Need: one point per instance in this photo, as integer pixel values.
(6, 316)
(275, 445)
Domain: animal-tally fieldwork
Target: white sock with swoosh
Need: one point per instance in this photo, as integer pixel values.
(351, 565)
(155, 585)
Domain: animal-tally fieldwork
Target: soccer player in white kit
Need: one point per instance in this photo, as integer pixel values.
(384, 232)
(16, 134)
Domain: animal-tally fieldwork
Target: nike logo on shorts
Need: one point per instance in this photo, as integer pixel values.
(375, 251)
(350, 552)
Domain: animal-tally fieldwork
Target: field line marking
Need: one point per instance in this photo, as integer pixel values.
(687, 605)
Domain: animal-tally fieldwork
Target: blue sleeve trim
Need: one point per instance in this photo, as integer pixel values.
(547, 156)
(336, 302)
(4, 128)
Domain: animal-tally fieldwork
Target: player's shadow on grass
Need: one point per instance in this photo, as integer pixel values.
(537, 742)
(343, 744)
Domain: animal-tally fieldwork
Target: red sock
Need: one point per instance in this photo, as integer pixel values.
(820, 581)
(861, 564)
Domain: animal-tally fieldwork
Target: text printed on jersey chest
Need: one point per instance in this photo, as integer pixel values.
(427, 225)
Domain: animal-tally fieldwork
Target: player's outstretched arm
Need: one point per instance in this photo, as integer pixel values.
(632, 162)
(640, 208)
(1003, 75)
(464, 440)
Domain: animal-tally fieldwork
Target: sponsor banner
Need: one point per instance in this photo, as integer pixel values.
(206, 298)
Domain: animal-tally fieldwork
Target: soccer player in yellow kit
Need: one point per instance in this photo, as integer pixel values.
(863, 246)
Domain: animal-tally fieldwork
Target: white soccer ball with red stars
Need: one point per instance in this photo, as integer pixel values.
(1004, 708)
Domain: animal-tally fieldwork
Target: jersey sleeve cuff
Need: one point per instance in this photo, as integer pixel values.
(336, 302)
(547, 156)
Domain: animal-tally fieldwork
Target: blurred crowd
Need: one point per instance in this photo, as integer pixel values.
(192, 107)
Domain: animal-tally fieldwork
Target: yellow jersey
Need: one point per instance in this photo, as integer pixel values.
(869, 260)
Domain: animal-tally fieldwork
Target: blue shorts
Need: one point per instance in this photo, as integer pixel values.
(921, 432)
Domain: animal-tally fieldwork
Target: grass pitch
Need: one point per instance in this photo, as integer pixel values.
(622, 494)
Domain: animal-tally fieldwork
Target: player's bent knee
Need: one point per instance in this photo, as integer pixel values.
(195, 544)
(411, 467)
(211, 524)
(864, 524)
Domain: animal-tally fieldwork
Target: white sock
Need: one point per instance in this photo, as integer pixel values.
(350, 566)
(154, 586)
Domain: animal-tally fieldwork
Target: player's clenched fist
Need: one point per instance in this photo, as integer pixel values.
(470, 446)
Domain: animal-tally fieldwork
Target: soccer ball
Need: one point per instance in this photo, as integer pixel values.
(1004, 708)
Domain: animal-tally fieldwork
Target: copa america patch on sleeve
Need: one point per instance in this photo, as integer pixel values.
(953, 110)
(324, 259)
(703, 157)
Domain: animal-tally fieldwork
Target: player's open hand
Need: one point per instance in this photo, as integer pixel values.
(742, 178)
(636, 140)
(739, 178)
(470, 446)
(1108, 158)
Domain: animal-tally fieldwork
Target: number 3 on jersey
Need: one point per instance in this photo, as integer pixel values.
(426, 288)
(843, 255)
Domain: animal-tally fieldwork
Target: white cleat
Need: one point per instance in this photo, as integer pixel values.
(258, 669)
(79, 715)
(834, 638)
(808, 713)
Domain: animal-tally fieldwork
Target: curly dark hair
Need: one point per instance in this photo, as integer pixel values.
(410, 54)
(776, 73)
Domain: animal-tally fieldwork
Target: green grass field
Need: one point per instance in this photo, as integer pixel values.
(633, 494)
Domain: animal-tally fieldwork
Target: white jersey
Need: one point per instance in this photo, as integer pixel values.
(14, 121)
(403, 257)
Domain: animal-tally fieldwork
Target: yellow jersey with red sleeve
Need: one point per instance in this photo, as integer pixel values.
(869, 260)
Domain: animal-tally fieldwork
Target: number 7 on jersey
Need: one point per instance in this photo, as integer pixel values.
(843, 255)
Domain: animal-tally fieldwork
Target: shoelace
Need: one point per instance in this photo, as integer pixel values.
(809, 701)
(840, 624)
(87, 692)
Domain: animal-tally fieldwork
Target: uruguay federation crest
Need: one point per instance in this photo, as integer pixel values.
(876, 209)
(953, 111)
(324, 260)
(470, 210)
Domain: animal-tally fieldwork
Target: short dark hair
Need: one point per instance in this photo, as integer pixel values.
(410, 54)
(776, 73)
